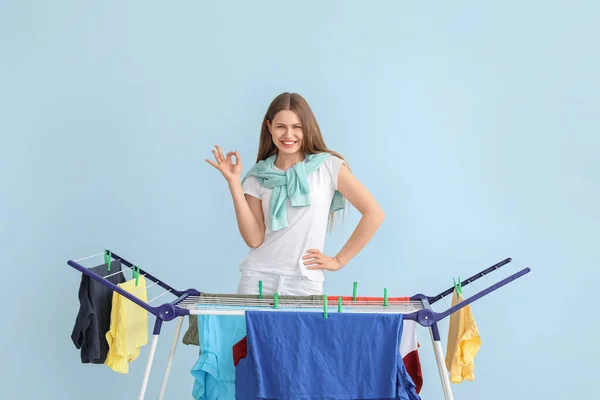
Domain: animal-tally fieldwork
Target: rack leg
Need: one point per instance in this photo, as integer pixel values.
(155, 334)
(439, 358)
(163, 388)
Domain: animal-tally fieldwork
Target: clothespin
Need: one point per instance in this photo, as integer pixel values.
(354, 292)
(260, 289)
(339, 303)
(275, 300)
(385, 297)
(107, 258)
(457, 287)
(136, 274)
(324, 306)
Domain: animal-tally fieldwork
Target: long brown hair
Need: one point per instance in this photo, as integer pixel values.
(312, 139)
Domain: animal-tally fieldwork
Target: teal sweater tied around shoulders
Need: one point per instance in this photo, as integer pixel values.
(289, 184)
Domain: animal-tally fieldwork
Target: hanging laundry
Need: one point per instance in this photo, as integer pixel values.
(190, 337)
(409, 351)
(303, 355)
(240, 350)
(464, 342)
(93, 317)
(246, 387)
(409, 344)
(128, 326)
(245, 377)
(214, 371)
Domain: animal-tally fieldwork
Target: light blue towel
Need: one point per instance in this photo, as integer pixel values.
(214, 371)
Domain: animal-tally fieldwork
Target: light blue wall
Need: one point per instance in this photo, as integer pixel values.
(474, 124)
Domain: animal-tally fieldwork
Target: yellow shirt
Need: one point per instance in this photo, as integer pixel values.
(463, 343)
(128, 327)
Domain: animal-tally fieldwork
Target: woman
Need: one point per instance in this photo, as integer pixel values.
(286, 201)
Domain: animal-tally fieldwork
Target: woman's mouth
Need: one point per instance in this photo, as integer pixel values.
(288, 143)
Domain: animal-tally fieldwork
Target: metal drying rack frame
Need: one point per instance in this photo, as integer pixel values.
(416, 307)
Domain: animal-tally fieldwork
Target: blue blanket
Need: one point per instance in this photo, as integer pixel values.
(303, 356)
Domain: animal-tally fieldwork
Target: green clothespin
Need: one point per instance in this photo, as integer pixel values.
(136, 274)
(354, 292)
(457, 287)
(385, 297)
(260, 289)
(275, 300)
(324, 306)
(107, 258)
(339, 303)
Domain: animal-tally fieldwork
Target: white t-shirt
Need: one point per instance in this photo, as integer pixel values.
(281, 251)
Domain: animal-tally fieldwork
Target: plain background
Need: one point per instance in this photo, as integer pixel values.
(475, 124)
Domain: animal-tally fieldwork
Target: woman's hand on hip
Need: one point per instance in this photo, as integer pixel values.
(230, 170)
(317, 260)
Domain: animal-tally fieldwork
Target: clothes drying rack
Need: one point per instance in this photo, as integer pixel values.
(193, 302)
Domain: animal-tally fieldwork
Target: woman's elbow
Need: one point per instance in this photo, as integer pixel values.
(254, 242)
(377, 215)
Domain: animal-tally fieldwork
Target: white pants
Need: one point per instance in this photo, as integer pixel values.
(281, 284)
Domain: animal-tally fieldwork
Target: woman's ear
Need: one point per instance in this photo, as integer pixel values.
(268, 123)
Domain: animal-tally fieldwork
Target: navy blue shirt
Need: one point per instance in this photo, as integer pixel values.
(93, 317)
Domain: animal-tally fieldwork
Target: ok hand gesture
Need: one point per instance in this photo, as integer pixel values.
(230, 170)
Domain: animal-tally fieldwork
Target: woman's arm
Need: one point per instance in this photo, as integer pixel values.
(249, 215)
(248, 210)
(372, 217)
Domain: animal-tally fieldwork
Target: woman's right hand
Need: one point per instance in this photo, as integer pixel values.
(230, 170)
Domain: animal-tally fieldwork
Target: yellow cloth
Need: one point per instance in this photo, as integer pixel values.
(463, 343)
(128, 327)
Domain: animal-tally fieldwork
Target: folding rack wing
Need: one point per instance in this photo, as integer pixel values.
(165, 312)
(428, 317)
